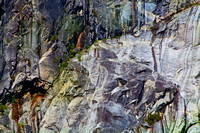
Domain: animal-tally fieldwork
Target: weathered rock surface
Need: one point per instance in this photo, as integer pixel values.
(144, 82)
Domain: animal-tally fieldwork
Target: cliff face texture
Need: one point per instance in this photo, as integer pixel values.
(100, 66)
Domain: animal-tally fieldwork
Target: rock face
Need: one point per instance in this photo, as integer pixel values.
(146, 81)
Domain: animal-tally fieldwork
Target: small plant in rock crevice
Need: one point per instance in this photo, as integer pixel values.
(79, 58)
(152, 118)
(53, 37)
(3, 108)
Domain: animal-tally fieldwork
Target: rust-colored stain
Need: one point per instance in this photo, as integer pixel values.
(36, 100)
(46, 41)
(14, 114)
(78, 45)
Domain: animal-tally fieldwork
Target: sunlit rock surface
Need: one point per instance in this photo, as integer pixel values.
(146, 80)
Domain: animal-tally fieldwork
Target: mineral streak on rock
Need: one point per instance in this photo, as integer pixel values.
(99, 66)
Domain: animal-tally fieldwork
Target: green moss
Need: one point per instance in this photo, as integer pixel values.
(152, 118)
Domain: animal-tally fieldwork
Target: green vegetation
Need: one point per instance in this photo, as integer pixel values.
(152, 118)
(64, 9)
(71, 53)
(11, 18)
(56, 60)
(96, 41)
(138, 129)
(64, 64)
(20, 8)
(3, 108)
(197, 45)
(8, 40)
(79, 57)
(13, 5)
(53, 37)
(34, 95)
(88, 47)
(12, 77)
(22, 23)
(43, 18)
(14, 100)
(5, 125)
(21, 124)
(117, 37)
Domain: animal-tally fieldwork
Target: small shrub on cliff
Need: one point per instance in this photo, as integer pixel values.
(197, 45)
(14, 100)
(96, 41)
(2, 107)
(43, 18)
(79, 57)
(5, 125)
(152, 118)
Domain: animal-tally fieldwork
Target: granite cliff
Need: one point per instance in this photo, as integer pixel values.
(100, 66)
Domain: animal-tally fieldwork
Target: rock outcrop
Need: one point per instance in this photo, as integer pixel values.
(135, 78)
